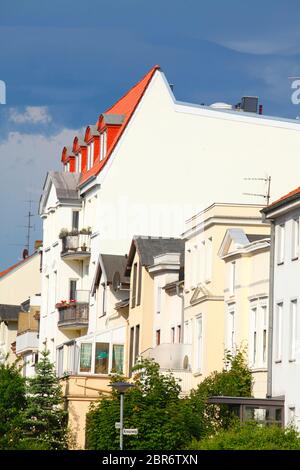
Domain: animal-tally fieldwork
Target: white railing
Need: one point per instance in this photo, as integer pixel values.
(27, 341)
(171, 355)
(82, 296)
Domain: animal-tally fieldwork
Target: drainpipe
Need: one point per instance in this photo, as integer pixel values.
(271, 310)
(182, 310)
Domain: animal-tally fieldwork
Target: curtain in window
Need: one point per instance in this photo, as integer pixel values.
(101, 358)
(85, 357)
(117, 358)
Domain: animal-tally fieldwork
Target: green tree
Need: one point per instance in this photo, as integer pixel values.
(234, 380)
(153, 406)
(12, 403)
(251, 436)
(44, 419)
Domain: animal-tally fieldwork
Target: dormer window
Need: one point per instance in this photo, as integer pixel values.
(103, 145)
(90, 156)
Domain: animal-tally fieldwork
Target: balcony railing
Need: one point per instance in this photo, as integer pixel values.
(76, 246)
(27, 341)
(73, 316)
(171, 355)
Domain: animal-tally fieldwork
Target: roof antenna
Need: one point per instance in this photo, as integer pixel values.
(266, 196)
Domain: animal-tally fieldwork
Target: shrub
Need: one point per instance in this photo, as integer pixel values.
(251, 436)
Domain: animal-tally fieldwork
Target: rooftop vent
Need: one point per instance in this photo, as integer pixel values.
(249, 104)
(221, 105)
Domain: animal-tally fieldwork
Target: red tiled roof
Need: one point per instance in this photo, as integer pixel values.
(287, 196)
(11, 268)
(125, 106)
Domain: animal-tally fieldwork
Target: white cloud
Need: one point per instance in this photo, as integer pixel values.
(31, 115)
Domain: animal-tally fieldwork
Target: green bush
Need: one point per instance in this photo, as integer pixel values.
(251, 436)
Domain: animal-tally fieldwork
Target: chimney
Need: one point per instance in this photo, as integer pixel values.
(38, 244)
(249, 104)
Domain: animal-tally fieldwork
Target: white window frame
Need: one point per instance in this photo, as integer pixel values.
(199, 343)
(295, 239)
(232, 277)
(278, 331)
(231, 330)
(280, 243)
(208, 259)
(293, 329)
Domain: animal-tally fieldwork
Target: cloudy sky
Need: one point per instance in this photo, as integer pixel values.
(65, 61)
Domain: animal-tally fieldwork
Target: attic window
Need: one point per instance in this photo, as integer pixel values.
(90, 156)
(103, 145)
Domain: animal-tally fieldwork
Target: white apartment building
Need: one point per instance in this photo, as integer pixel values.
(284, 339)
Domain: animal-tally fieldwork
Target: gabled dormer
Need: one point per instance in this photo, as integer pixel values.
(68, 159)
(80, 152)
(92, 139)
(108, 126)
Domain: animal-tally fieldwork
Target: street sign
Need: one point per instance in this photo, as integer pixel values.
(130, 432)
(118, 425)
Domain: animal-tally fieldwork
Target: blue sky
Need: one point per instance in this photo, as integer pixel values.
(65, 61)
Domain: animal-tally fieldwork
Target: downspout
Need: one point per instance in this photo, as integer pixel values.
(271, 309)
(182, 310)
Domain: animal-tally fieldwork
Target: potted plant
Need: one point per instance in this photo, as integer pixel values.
(63, 233)
(83, 247)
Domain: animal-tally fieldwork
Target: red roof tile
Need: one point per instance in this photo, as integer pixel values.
(11, 268)
(126, 106)
(288, 195)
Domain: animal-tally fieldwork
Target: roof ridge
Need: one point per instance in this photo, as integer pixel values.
(152, 70)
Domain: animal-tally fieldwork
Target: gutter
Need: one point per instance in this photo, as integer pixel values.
(271, 309)
(182, 310)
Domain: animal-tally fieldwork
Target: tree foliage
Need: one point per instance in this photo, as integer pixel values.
(12, 403)
(164, 421)
(44, 419)
(251, 436)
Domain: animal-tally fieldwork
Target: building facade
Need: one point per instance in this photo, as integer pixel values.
(246, 295)
(284, 339)
(205, 321)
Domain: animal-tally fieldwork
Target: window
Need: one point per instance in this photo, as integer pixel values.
(158, 300)
(232, 278)
(173, 335)
(75, 220)
(231, 329)
(208, 259)
(278, 331)
(103, 145)
(131, 349)
(60, 361)
(264, 332)
(71, 365)
(295, 239)
(117, 358)
(138, 301)
(254, 335)
(72, 289)
(133, 292)
(292, 414)
(90, 157)
(103, 299)
(293, 330)
(78, 163)
(101, 358)
(137, 343)
(198, 349)
(179, 333)
(157, 337)
(280, 243)
(187, 332)
(85, 357)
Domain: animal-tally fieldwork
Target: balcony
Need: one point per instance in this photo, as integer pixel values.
(175, 356)
(27, 341)
(73, 316)
(75, 245)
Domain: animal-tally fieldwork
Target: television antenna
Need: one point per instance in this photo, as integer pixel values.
(266, 196)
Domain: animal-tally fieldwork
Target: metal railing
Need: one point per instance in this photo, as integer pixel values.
(77, 314)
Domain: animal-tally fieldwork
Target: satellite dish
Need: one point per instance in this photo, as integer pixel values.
(116, 281)
(25, 253)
